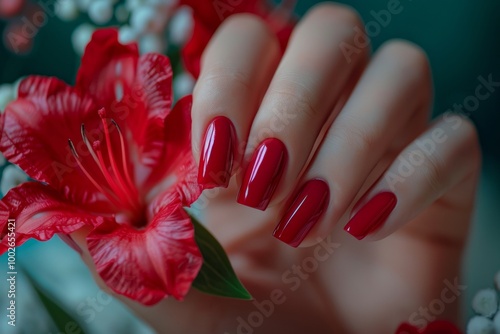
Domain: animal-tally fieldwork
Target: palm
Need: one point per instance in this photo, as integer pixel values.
(329, 287)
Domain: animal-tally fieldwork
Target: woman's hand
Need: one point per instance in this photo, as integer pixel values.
(347, 145)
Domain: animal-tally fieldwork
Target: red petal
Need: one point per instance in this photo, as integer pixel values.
(441, 327)
(192, 51)
(35, 130)
(208, 16)
(39, 212)
(105, 64)
(147, 106)
(406, 328)
(10, 8)
(136, 91)
(148, 265)
(212, 13)
(177, 169)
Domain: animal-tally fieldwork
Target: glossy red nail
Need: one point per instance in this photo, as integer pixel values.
(304, 213)
(371, 215)
(216, 159)
(263, 174)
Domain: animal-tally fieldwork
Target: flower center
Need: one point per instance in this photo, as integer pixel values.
(118, 186)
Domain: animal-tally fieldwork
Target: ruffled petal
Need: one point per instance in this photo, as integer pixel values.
(177, 169)
(193, 49)
(34, 133)
(148, 265)
(136, 91)
(212, 13)
(207, 18)
(39, 212)
(149, 103)
(107, 65)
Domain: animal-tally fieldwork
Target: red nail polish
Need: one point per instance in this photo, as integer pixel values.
(371, 215)
(263, 174)
(303, 214)
(216, 159)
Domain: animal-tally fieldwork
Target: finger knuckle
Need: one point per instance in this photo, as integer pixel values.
(433, 171)
(220, 77)
(357, 139)
(293, 95)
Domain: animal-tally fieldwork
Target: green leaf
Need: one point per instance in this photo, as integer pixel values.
(64, 322)
(216, 276)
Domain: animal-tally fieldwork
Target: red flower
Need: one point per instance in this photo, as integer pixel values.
(109, 154)
(435, 327)
(9, 8)
(208, 15)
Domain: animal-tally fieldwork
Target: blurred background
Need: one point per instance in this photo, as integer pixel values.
(460, 37)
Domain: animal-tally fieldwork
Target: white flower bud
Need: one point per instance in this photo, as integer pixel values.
(480, 325)
(181, 25)
(496, 323)
(81, 37)
(126, 35)
(66, 10)
(101, 11)
(147, 19)
(121, 13)
(84, 4)
(485, 302)
(131, 5)
(151, 43)
(12, 177)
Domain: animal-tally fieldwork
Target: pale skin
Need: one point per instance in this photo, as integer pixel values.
(353, 121)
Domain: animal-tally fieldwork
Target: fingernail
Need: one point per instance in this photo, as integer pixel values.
(372, 215)
(304, 213)
(68, 240)
(216, 159)
(263, 174)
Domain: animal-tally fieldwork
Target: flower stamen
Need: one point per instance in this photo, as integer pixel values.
(121, 189)
(124, 154)
(108, 194)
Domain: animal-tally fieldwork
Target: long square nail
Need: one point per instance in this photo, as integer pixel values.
(263, 174)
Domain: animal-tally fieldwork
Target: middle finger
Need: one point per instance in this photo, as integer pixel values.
(310, 78)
